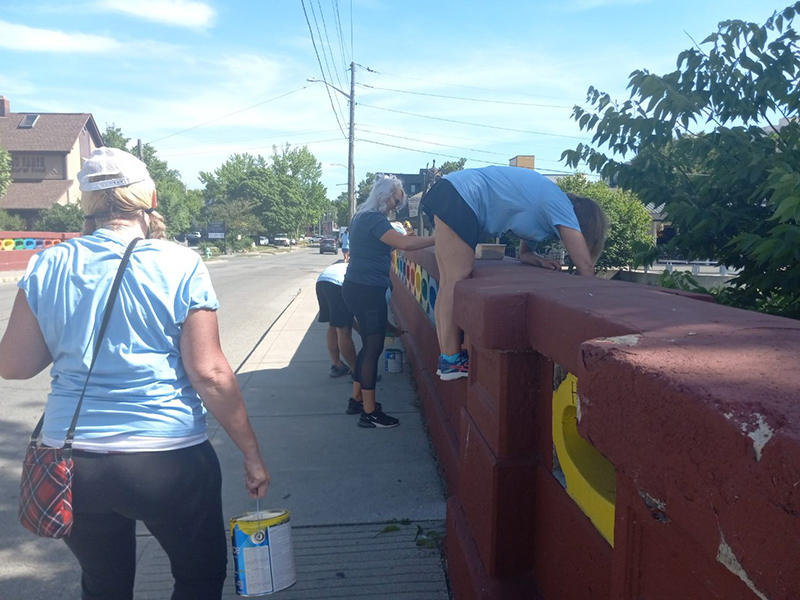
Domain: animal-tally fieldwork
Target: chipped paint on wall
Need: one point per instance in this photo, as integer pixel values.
(728, 559)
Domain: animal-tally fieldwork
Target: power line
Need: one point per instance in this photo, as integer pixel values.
(241, 150)
(432, 143)
(474, 124)
(449, 146)
(340, 34)
(486, 162)
(236, 112)
(467, 87)
(427, 152)
(250, 138)
(333, 74)
(455, 137)
(319, 61)
(374, 87)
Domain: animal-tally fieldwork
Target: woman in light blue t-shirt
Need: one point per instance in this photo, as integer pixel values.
(141, 450)
(494, 200)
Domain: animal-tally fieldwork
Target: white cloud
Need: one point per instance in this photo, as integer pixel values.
(31, 39)
(180, 13)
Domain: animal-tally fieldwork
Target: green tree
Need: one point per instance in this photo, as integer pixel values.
(364, 188)
(284, 191)
(452, 165)
(113, 138)
(9, 222)
(5, 170)
(301, 198)
(341, 209)
(629, 221)
(60, 217)
(241, 223)
(708, 141)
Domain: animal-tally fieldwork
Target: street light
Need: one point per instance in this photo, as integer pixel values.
(351, 172)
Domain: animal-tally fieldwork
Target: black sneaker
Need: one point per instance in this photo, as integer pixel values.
(377, 419)
(354, 406)
(339, 371)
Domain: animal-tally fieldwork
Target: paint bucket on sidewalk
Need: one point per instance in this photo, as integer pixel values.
(263, 558)
(394, 361)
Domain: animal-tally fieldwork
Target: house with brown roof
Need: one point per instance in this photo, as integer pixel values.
(47, 151)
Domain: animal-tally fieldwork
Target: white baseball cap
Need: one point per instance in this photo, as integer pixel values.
(119, 168)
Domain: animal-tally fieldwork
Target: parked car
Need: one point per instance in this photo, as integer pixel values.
(192, 237)
(263, 240)
(281, 240)
(328, 245)
(293, 242)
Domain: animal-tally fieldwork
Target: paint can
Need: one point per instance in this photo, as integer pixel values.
(394, 360)
(263, 558)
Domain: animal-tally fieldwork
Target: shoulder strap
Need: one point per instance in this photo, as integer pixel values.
(112, 296)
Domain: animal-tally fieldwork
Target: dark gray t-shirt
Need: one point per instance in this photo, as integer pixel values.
(369, 256)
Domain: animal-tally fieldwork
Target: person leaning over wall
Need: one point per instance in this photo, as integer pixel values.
(141, 452)
(496, 200)
(372, 239)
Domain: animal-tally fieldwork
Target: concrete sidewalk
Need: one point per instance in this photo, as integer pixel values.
(344, 485)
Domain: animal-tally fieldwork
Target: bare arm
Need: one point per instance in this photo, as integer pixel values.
(577, 249)
(213, 378)
(23, 352)
(406, 242)
(529, 257)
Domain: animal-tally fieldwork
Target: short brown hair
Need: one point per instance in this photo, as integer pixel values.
(593, 222)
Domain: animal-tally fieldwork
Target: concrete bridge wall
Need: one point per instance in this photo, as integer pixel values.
(613, 441)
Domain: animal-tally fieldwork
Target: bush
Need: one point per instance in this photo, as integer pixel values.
(61, 217)
(9, 222)
(629, 222)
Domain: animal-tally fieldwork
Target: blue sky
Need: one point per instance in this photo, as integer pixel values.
(513, 71)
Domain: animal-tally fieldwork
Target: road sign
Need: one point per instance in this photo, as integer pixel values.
(216, 230)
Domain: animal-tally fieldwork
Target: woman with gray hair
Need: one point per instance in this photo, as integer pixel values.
(372, 239)
(140, 449)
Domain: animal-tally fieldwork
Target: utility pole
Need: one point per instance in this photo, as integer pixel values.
(139, 149)
(351, 139)
(351, 169)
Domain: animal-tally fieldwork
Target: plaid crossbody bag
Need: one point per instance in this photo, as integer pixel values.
(45, 500)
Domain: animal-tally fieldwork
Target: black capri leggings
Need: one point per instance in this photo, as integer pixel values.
(368, 304)
(176, 493)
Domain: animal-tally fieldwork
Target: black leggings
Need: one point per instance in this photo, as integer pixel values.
(176, 494)
(368, 304)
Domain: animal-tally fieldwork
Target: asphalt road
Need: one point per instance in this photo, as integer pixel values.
(253, 290)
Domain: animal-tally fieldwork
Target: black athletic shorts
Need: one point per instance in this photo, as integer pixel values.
(332, 308)
(446, 203)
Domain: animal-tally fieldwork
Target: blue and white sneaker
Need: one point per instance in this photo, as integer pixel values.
(448, 371)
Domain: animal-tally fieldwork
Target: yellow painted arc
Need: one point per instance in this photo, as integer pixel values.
(590, 477)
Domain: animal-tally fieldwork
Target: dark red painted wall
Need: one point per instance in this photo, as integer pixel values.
(17, 260)
(698, 409)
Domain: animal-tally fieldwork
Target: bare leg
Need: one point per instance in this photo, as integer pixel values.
(455, 260)
(346, 346)
(333, 347)
(358, 394)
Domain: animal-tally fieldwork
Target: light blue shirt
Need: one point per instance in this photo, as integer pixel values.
(334, 274)
(514, 199)
(345, 239)
(139, 385)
